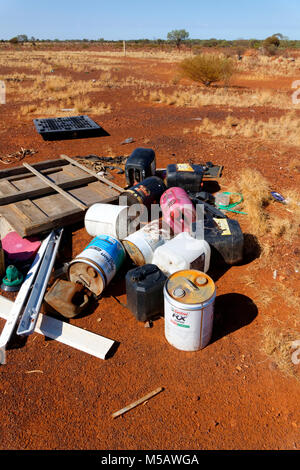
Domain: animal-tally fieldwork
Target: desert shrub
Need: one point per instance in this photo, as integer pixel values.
(207, 68)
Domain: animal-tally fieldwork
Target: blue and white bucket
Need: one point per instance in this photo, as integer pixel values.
(98, 263)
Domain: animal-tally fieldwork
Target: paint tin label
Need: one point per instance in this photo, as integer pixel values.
(188, 322)
(106, 252)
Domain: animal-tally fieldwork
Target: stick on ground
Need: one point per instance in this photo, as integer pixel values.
(138, 402)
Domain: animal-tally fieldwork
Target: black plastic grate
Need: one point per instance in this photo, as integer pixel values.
(75, 127)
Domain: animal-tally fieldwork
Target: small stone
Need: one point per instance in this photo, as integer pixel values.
(238, 368)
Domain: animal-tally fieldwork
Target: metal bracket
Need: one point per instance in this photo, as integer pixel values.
(32, 309)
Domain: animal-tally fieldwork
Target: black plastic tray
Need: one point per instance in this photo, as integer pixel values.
(74, 127)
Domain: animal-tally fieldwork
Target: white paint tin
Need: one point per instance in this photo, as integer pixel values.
(189, 297)
(107, 219)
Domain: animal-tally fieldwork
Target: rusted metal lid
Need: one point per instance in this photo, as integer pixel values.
(83, 272)
(190, 286)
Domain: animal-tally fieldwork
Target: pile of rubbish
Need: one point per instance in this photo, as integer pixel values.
(165, 230)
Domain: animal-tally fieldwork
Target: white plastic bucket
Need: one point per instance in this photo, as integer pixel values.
(107, 219)
(182, 252)
(189, 298)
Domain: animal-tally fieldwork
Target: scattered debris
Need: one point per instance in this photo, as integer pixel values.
(128, 141)
(17, 156)
(101, 165)
(67, 298)
(278, 197)
(137, 403)
(18, 249)
(12, 280)
(34, 372)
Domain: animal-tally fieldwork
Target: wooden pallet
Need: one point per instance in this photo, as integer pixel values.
(50, 194)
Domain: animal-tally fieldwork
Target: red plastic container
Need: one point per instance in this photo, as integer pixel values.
(178, 210)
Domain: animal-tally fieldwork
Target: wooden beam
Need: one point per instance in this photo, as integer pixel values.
(55, 187)
(21, 195)
(18, 170)
(100, 178)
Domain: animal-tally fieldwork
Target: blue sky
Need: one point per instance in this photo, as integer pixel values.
(153, 19)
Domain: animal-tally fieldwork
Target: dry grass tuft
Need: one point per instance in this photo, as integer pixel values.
(276, 343)
(256, 193)
(294, 165)
(286, 128)
(193, 97)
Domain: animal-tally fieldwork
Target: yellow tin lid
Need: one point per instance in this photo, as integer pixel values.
(190, 286)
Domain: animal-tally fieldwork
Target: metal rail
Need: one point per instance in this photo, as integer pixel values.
(32, 309)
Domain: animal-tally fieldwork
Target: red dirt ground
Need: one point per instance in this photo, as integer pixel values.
(229, 395)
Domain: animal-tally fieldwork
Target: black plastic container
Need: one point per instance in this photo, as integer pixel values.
(140, 165)
(183, 175)
(225, 238)
(144, 289)
(74, 127)
(147, 192)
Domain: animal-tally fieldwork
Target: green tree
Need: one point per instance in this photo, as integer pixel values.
(272, 40)
(178, 35)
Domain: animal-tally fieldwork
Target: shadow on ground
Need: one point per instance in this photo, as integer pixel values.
(232, 312)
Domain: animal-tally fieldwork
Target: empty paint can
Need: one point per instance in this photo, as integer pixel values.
(178, 210)
(97, 264)
(107, 219)
(141, 245)
(189, 298)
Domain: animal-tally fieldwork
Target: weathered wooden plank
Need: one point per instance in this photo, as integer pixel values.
(17, 170)
(55, 204)
(44, 190)
(100, 178)
(57, 188)
(28, 174)
(44, 207)
(6, 188)
(28, 212)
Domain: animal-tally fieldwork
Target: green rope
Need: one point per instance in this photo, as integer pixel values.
(230, 207)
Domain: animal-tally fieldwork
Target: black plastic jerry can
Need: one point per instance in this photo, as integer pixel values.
(186, 176)
(144, 289)
(148, 192)
(140, 165)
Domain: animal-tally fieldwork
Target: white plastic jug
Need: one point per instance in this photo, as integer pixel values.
(182, 252)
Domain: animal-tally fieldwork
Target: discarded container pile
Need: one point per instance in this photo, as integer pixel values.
(165, 231)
